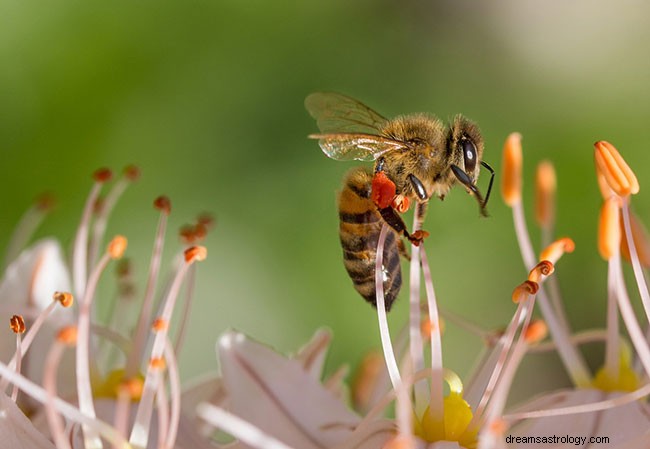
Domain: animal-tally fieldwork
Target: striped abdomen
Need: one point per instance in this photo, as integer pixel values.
(360, 224)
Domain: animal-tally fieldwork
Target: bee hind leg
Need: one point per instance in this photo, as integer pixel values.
(393, 219)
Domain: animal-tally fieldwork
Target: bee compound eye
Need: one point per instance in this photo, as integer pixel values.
(469, 155)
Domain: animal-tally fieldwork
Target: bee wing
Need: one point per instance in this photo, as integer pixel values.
(356, 146)
(336, 113)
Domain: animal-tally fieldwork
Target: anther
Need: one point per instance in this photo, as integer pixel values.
(196, 253)
(401, 203)
(103, 175)
(17, 324)
(498, 427)
(619, 176)
(400, 442)
(545, 186)
(163, 204)
(123, 268)
(609, 230)
(157, 363)
(67, 335)
(117, 246)
(206, 220)
(555, 250)
(46, 202)
(64, 298)
(427, 327)
(523, 290)
(512, 162)
(544, 268)
(159, 324)
(131, 172)
(133, 387)
(536, 331)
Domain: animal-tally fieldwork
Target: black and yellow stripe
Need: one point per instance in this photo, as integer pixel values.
(360, 224)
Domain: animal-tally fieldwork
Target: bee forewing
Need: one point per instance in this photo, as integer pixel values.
(360, 147)
(336, 113)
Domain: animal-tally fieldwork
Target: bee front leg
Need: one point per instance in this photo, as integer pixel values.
(393, 219)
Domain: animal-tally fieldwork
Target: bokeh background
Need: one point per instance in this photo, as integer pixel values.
(207, 99)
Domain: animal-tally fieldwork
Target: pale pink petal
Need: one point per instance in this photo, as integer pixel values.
(277, 395)
(16, 431)
(621, 425)
(312, 355)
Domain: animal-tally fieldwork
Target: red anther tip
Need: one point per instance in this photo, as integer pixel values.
(132, 172)
(196, 253)
(103, 175)
(163, 204)
(187, 234)
(383, 190)
(46, 202)
(17, 324)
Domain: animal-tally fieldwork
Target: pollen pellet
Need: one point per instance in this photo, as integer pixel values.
(619, 176)
(64, 298)
(512, 162)
(523, 290)
(545, 186)
(536, 331)
(117, 246)
(555, 250)
(157, 363)
(163, 204)
(17, 324)
(159, 324)
(383, 190)
(609, 230)
(196, 253)
(103, 175)
(67, 335)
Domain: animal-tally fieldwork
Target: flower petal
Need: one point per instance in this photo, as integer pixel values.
(277, 395)
(16, 431)
(312, 355)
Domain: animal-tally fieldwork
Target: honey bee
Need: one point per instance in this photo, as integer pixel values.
(416, 157)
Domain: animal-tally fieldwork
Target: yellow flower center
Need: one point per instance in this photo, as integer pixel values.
(627, 379)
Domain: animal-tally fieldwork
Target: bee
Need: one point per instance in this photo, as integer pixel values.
(415, 156)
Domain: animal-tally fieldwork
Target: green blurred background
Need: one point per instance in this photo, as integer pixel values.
(207, 99)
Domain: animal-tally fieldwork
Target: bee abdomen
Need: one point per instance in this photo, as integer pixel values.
(360, 224)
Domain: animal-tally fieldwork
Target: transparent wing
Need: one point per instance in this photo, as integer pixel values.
(355, 146)
(336, 113)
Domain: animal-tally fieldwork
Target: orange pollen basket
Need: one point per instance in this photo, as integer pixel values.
(383, 190)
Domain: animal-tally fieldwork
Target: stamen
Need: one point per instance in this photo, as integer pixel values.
(640, 239)
(636, 264)
(27, 225)
(187, 308)
(536, 332)
(619, 176)
(79, 253)
(117, 246)
(524, 290)
(237, 427)
(163, 204)
(17, 324)
(512, 162)
(609, 230)
(545, 186)
(140, 431)
(64, 298)
(130, 174)
(555, 250)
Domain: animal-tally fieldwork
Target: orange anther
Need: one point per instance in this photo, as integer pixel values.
(498, 427)
(544, 268)
(536, 331)
(159, 324)
(619, 176)
(512, 162)
(117, 246)
(545, 186)
(196, 253)
(555, 250)
(17, 324)
(609, 229)
(523, 290)
(64, 298)
(131, 172)
(67, 335)
(157, 363)
(401, 203)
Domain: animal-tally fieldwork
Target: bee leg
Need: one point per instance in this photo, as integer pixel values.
(418, 187)
(393, 219)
